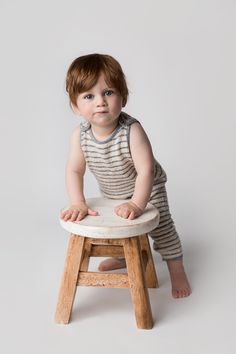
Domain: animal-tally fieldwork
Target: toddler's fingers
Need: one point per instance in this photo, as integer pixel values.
(74, 215)
(81, 215)
(125, 214)
(131, 215)
(116, 209)
(92, 212)
(67, 215)
(63, 213)
(119, 212)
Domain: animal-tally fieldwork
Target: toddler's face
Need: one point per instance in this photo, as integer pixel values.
(101, 105)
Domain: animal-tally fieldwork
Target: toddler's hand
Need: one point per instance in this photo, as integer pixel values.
(128, 210)
(77, 212)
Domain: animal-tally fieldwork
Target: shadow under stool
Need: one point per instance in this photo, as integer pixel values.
(108, 235)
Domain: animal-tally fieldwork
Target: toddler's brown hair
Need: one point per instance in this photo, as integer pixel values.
(84, 72)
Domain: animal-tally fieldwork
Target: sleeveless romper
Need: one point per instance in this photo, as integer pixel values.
(111, 163)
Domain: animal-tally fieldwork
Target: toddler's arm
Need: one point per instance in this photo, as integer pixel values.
(75, 170)
(143, 159)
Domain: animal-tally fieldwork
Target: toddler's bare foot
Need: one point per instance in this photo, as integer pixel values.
(111, 264)
(179, 280)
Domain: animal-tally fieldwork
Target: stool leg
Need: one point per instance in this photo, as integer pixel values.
(69, 279)
(150, 272)
(138, 288)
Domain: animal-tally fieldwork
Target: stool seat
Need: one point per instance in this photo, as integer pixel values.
(109, 225)
(108, 235)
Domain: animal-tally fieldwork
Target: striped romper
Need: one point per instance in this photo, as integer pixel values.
(111, 163)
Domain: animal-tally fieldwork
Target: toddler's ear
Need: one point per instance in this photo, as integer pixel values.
(75, 109)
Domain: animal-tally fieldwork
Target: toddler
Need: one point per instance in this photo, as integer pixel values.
(117, 151)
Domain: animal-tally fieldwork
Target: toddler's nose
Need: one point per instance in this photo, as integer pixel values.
(101, 101)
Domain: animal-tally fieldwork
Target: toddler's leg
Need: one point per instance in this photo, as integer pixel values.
(179, 281)
(111, 264)
(167, 243)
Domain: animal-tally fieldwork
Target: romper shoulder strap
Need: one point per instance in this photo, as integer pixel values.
(126, 119)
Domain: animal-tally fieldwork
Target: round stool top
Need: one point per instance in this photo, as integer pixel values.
(109, 225)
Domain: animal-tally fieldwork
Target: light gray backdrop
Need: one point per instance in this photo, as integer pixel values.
(179, 59)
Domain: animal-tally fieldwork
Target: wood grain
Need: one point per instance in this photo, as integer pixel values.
(138, 288)
(69, 279)
(103, 280)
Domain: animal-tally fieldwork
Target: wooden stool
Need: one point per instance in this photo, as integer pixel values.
(108, 235)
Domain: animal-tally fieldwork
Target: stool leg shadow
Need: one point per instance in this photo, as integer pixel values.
(137, 281)
(69, 279)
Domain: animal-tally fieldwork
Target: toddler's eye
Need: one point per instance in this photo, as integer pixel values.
(108, 93)
(88, 97)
